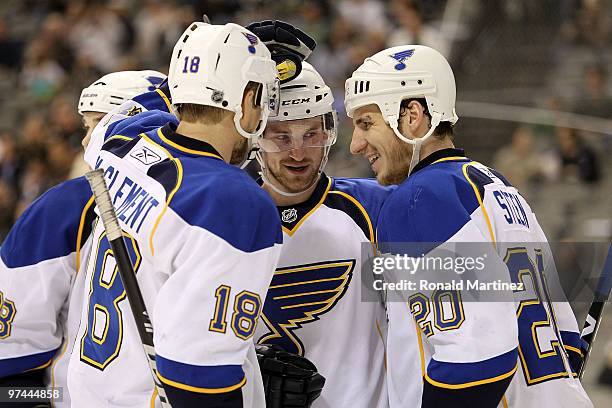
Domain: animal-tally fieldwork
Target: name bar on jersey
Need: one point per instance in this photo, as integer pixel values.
(131, 201)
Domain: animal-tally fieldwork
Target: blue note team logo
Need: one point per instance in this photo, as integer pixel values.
(302, 294)
(154, 81)
(400, 57)
(253, 40)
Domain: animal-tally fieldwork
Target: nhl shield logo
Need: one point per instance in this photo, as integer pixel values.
(289, 215)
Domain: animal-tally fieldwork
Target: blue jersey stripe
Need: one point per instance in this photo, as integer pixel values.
(471, 374)
(12, 366)
(205, 378)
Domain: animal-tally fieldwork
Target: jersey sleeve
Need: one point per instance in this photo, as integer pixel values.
(475, 346)
(207, 311)
(110, 125)
(563, 313)
(39, 260)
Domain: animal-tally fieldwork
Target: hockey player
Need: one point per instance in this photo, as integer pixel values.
(203, 237)
(454, 353)
(39, 261)
(314, 306)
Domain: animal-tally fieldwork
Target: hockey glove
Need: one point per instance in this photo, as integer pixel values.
(288, 45)
(289, 379)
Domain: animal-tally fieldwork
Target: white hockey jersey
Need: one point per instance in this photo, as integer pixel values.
(38, 271)
(204, 240)
(314, 305)
(42, 254)
(449, 198)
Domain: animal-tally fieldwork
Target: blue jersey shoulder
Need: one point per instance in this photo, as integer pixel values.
(225, 201)
(141, 123)
(155, 100)
(48, 228)
(367, 192)
(430, 206)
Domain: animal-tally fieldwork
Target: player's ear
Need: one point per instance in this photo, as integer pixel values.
(251, 107)
(415, 112)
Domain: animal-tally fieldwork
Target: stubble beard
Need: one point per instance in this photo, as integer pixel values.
(240, 152)
(294, 184)
(397, 163)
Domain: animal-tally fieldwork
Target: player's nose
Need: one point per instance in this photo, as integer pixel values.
(358, 142)
(297, 154)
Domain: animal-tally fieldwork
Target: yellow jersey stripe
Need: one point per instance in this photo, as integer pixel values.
(480, 203)
(80, 232)
(363, 211)
(165, 98)
(472, 383)
(201, 390)
(179, 168)
(119, 137)
(574, 349)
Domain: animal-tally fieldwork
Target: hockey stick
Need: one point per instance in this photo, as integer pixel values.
(593, 319)
(127, 274)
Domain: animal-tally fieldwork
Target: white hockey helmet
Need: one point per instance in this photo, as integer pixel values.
(304, 97)
(212, 64)
(398, 73)
(113, 89)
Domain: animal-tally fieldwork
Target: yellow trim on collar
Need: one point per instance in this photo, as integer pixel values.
(184, 149)
(450, 159)
(291, 231)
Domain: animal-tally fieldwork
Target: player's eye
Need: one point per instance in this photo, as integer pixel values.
(366, 125)
(282, 138)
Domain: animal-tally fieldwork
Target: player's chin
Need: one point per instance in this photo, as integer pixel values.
(296, 183)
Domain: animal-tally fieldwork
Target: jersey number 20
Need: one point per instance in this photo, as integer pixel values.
(103, 335)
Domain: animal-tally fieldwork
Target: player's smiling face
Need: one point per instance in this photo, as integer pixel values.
(388, 156)
(295, 169)
(90, 120)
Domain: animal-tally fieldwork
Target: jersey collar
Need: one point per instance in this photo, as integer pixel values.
(440, 155)
(292, 216)
(185, 144)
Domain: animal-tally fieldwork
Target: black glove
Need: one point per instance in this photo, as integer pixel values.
(289, 379)
(288, 45)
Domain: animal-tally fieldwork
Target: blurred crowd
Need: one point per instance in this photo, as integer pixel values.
(51, 49)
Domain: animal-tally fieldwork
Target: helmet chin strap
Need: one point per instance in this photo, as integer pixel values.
(269, 183)
(417, 142)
